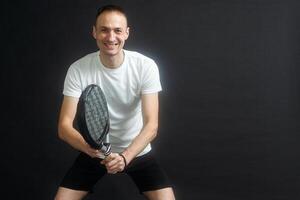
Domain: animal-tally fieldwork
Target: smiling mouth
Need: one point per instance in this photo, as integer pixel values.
(110, 45)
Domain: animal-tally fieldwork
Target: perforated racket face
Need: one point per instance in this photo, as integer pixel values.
(93, 117)
(96, 114)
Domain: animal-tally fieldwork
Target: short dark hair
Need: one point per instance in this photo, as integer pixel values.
(111, 8)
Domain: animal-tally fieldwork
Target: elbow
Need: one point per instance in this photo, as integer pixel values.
(60, 132)
(154, 130)
(154, 135)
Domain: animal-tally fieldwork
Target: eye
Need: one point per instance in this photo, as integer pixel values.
(103, 30)
(118, 31)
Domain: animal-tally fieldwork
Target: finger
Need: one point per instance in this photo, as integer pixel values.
(111, 156)
(114, 169)
(105, 161)
(112, 162)
(117, 167)
(100, 155)
(93, 152)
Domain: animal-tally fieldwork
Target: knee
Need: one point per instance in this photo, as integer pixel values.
(67, 194)
(60, 196)
(170, 194)
(161, 194)
(66, 197)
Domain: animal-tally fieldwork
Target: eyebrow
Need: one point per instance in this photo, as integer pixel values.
(110, 28)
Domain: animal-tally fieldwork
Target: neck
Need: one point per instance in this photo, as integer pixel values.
(112, 61)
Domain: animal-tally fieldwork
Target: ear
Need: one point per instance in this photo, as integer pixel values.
(94, 32)
(127, 33)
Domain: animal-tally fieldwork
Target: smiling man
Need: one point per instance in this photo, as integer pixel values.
(130, 82)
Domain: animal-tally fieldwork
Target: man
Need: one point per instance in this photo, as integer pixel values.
(130, 82)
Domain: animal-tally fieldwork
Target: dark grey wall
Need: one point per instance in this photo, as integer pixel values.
(229, 120)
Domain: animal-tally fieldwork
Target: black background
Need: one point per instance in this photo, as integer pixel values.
(229, 115)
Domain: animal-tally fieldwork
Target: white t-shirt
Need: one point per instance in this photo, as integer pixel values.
(122, 87)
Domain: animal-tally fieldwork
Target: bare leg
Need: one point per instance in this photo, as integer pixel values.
(67, 194)
(162, 194)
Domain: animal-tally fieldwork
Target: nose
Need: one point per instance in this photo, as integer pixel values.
(111, 36)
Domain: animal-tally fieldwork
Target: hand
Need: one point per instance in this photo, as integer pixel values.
(94, 153)
(114, 163)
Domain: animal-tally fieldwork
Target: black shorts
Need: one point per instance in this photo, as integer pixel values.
(144, 171)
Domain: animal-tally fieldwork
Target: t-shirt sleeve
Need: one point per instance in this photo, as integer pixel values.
(150, 79)
(72, 84)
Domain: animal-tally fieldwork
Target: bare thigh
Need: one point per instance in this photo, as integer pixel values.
(67, 194)
(162, 194)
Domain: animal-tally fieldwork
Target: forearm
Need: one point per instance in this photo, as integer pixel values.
(72, 137)
(147, 134)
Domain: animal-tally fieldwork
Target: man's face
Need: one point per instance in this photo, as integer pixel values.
(110, 32)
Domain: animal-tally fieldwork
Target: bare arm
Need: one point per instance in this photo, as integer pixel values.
(114, 162)
(150, 107)
(67, 132)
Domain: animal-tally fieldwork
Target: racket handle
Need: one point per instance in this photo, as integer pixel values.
(106, 149)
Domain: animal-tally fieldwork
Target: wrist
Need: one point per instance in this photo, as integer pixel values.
(124, 160)
(127, 155)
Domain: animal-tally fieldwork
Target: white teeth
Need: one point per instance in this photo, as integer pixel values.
(110, 44)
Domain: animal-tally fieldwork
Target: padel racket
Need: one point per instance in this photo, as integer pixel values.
(93, 118)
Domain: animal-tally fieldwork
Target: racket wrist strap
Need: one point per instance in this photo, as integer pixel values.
(124, 159)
